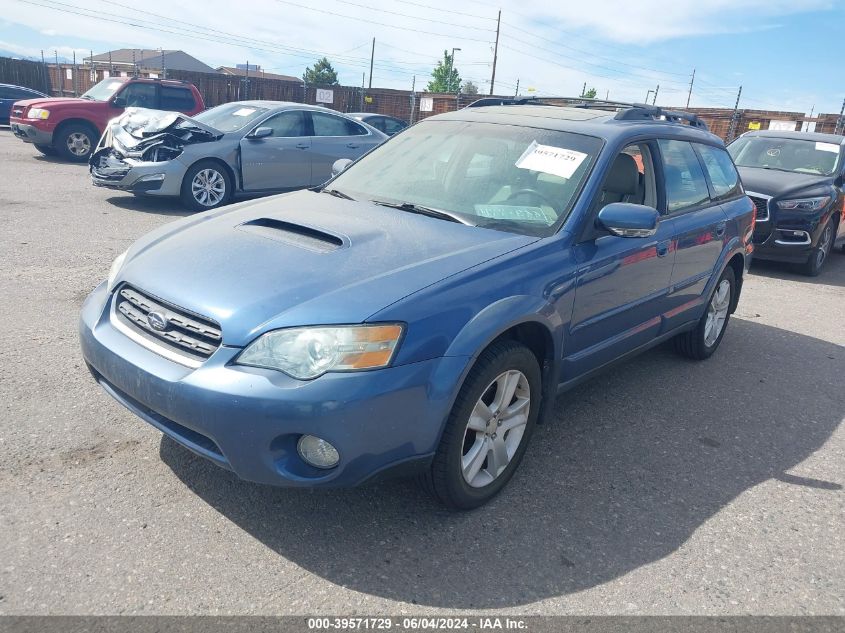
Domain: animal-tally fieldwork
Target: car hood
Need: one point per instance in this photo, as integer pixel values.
(53, 102)
(149, 135)
(776, 183)
(303, 258)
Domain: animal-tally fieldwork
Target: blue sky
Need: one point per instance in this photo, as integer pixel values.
(785, 54)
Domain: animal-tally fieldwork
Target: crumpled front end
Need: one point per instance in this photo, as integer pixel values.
(139, 149)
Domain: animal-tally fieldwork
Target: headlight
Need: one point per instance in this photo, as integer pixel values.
(804, 204)
(115, 269)
(308, 352)
(38, 113)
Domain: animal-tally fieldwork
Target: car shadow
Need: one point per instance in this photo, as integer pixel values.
(149, 204)
(833, 272)
(635, 462)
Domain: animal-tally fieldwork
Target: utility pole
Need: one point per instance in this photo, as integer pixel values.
(60, 81)
(372, 57)
(92, 72)
(363, 81)
(647, 95)
(74, 73)
(840, 123)
(111, 68)
(495, 51)
(163, 67)
(607, 96)
(584, 89)
(691, 81)
(245, 81)
(134, 65)
(734, 117)
(413, 99)
(654, 99)
(516, 92)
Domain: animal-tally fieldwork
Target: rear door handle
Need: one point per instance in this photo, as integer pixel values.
(720, 228)
(662, 249)
(353, 145)
(303, 145)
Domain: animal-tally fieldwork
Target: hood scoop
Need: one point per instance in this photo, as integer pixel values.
(293, 234)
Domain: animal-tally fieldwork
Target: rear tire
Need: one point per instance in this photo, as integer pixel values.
(820, 253)
(75, 141)
(488, 429)
(206, 185)
(47, 150)
(701, 342)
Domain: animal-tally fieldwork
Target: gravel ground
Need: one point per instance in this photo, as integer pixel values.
(662, 487)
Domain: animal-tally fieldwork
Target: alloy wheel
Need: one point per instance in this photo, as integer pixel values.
(717, 312)
(208, 187)
(495, 428)
(78, 143)
(824, 245)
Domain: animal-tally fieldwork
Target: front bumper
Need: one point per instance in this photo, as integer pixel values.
(788, 236)
(249, 420)
(161, 178)
(28, 133)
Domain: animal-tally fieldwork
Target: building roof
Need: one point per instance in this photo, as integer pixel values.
(146, 58)
(240, 72)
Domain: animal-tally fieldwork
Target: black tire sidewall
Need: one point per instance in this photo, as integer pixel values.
(187, 196)
(811, 268)
(491, 364)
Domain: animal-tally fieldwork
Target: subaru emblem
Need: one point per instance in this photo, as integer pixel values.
(157, 321)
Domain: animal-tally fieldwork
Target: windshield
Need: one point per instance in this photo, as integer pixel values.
(517, 179)
(786, 154)
(103, 90)
(230, 117)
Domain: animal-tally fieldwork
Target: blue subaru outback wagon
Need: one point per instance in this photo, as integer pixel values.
(419, 313)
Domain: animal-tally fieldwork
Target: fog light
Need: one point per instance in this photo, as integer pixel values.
(151, 178)
(317, 452)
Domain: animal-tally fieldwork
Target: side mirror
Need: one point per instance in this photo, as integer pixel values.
(119, 102)
(840, 180)
(339, 165)
(260, 132)
(628, 220)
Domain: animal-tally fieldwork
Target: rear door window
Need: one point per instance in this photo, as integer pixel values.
(176, 99)
(686, 186)
(330, 125)
(392, 126)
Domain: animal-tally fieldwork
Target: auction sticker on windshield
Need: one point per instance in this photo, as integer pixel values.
(243, 112)
(550, 160)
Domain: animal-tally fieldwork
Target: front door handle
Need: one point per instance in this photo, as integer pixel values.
(302, 145)
(720, 228)
(353, 145)
(662, 249)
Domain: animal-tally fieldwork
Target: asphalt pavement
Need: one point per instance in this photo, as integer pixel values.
(661, 487)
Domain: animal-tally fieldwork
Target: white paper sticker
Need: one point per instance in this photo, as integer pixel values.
(114, 85)
(827, 147)
(551, 160)
(243, 112)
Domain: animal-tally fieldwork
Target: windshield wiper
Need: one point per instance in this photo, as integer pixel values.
(337, 194)
(410, 207)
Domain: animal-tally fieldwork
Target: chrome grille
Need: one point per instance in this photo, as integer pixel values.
(762, 205)
(193, 336)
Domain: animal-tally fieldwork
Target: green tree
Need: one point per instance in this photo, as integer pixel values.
(445, 76)
(590, 94)
(320, 74)
(469, 88)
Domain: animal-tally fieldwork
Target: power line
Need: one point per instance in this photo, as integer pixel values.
(428, 6)
(412, 17)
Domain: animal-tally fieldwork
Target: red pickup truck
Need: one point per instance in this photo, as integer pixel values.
(71, 127)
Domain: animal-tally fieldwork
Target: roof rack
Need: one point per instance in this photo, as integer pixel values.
(624, 111)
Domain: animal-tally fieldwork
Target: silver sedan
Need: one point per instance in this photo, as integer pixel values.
(240, 148)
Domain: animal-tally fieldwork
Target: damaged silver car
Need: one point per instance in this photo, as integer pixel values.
(241, 148)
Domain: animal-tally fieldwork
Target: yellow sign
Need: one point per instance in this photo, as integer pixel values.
(368, 99)
(753, 125)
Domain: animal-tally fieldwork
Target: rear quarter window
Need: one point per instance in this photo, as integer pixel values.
(720, 168)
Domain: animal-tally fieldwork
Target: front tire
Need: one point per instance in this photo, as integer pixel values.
(75, 142)
(701, 342)
(818, 256)
(488, 429)
(206, 185)
(47, 150)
